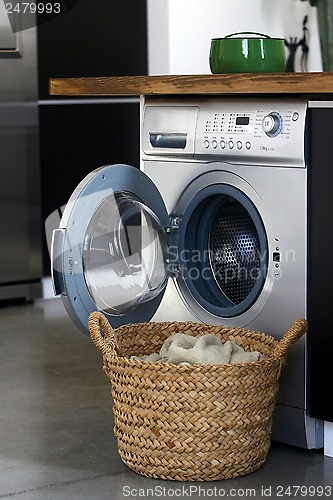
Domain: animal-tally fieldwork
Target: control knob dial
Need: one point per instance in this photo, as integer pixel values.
(272, 124)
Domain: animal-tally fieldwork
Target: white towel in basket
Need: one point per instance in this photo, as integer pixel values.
(204, 349)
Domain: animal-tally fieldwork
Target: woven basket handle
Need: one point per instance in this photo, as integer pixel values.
(98, 324)
(295, 332)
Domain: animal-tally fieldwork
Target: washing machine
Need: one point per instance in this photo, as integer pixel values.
(212, 227)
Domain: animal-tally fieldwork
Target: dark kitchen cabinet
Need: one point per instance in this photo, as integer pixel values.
(102, 38)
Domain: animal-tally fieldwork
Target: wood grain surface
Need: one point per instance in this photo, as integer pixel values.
(240, 83)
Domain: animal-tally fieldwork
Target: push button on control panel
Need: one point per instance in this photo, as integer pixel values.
(231, 145)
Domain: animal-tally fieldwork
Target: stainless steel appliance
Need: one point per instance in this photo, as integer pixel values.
(20, 250)
(214, 227)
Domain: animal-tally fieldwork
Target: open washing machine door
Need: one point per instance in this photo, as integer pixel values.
(117, 246)
(110, 252)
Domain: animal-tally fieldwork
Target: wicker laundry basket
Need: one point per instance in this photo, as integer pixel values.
(191, 423)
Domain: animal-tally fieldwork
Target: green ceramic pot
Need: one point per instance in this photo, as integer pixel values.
(254, 54)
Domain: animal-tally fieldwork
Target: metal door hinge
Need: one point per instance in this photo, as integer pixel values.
(175, 222)
(173, 268)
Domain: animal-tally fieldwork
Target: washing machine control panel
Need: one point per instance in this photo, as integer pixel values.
(252, 130)
(259, 131)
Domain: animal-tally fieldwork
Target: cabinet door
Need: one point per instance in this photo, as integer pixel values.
(104, 38)
(76, 139)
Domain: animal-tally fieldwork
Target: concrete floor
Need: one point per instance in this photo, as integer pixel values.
(56, 436)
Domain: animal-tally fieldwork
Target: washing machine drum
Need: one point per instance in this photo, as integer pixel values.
(117, 246)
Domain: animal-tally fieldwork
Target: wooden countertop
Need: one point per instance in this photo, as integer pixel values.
(242, 83)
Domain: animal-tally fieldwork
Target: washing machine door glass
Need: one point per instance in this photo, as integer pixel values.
(124, 254)
(110, 252)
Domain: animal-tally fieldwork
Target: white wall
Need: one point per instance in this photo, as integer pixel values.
(180, 31)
